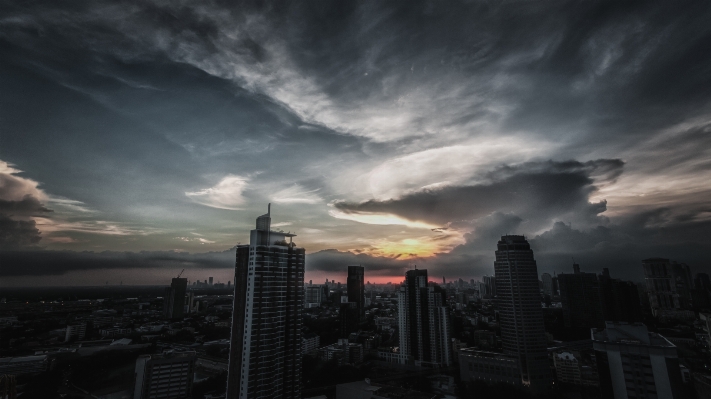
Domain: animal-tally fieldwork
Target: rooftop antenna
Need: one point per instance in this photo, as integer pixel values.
(269, 209)
(181, 273)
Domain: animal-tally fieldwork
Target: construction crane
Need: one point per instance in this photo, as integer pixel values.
(181, 273)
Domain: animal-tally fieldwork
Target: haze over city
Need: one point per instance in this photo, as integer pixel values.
(139, 139)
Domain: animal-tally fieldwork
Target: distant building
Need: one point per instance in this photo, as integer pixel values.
(490, 284)
(580, 298)
(174, 299)
(344, 352)
(424, 321)
(75, 332)
(114, 332)
(311, 342)
(547, 281)
(356, 289)
(663, 279)
(523, 334)
(210, 283)
(635, 363)
(314, 296)
(266, 341)
(167, 375)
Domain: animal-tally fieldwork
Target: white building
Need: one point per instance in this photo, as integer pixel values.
(266, 340)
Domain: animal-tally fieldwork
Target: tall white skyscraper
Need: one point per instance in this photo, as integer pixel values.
(521, 318)
(265, 347)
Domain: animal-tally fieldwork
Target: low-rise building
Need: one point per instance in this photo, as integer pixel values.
(75, 332)
(166, 375)
(23, 365)
(491, 367)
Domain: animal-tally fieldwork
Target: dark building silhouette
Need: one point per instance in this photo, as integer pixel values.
(356, 288)
(265, 347)
(425, 327)
(352, 308)
(349, 318)
(174, 299)
(702, 281)
(619, 299)
(580, 297)
(683, 282)
(701, 294)
(520, 315)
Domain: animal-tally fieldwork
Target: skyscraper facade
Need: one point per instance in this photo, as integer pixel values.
(265, 346)
(174, 299)
(521, 318)
(425, 329)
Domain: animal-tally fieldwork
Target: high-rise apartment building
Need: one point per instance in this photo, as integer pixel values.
(660, 285)
(265, 347)
(635, 363)
(174, 299)
(521, 317)
(580, 298)
(163, 376)
(425, 328)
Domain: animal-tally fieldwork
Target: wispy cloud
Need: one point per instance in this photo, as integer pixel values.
(226, 194)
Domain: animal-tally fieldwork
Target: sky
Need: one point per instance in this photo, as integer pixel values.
(141, 138)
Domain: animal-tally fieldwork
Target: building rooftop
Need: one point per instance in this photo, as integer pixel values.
(630, 334)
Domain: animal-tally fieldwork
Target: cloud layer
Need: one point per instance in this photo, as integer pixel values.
(384, 133)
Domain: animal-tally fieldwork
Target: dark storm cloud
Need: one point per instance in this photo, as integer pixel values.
(27, 206)
(16, 235)
(331, 260)
(45, 262)
(540, 191)
(126, 106)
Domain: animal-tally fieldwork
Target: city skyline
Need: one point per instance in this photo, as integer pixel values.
(139, 140)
